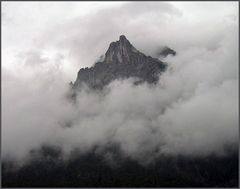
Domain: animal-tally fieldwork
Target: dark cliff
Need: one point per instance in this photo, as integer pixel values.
(122, 60)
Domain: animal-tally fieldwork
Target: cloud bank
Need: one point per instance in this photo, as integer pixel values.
(192, 111)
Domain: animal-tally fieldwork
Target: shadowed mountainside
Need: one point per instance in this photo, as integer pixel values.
(121, 61)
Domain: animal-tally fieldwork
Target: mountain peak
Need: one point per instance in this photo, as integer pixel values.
(122, 38)
(120, 51)
(122, 60)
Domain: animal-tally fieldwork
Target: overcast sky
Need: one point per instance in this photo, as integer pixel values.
(44, 44)
(80, 32)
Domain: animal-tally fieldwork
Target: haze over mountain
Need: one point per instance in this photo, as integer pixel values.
(130, 146)
(169, 120)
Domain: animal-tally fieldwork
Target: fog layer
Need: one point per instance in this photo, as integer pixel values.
(193, 110)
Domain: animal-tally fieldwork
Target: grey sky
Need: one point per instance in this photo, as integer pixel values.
(80, 31)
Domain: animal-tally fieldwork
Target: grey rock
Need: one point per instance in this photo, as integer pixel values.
(121, 61)
(164, 52)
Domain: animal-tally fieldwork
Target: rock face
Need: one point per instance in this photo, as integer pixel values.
(166, 51)
(121, 61)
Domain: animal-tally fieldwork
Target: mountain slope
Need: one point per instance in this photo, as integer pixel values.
(121, 61)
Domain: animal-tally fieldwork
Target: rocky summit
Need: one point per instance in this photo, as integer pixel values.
(121, 61)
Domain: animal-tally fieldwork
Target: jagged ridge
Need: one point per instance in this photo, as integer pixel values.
(122, 61)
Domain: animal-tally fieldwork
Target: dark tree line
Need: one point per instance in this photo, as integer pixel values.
(48, 169)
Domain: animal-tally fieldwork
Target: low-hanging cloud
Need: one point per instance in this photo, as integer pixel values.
(193, 110)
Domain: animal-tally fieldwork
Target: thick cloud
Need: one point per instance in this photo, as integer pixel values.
(192, 111)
